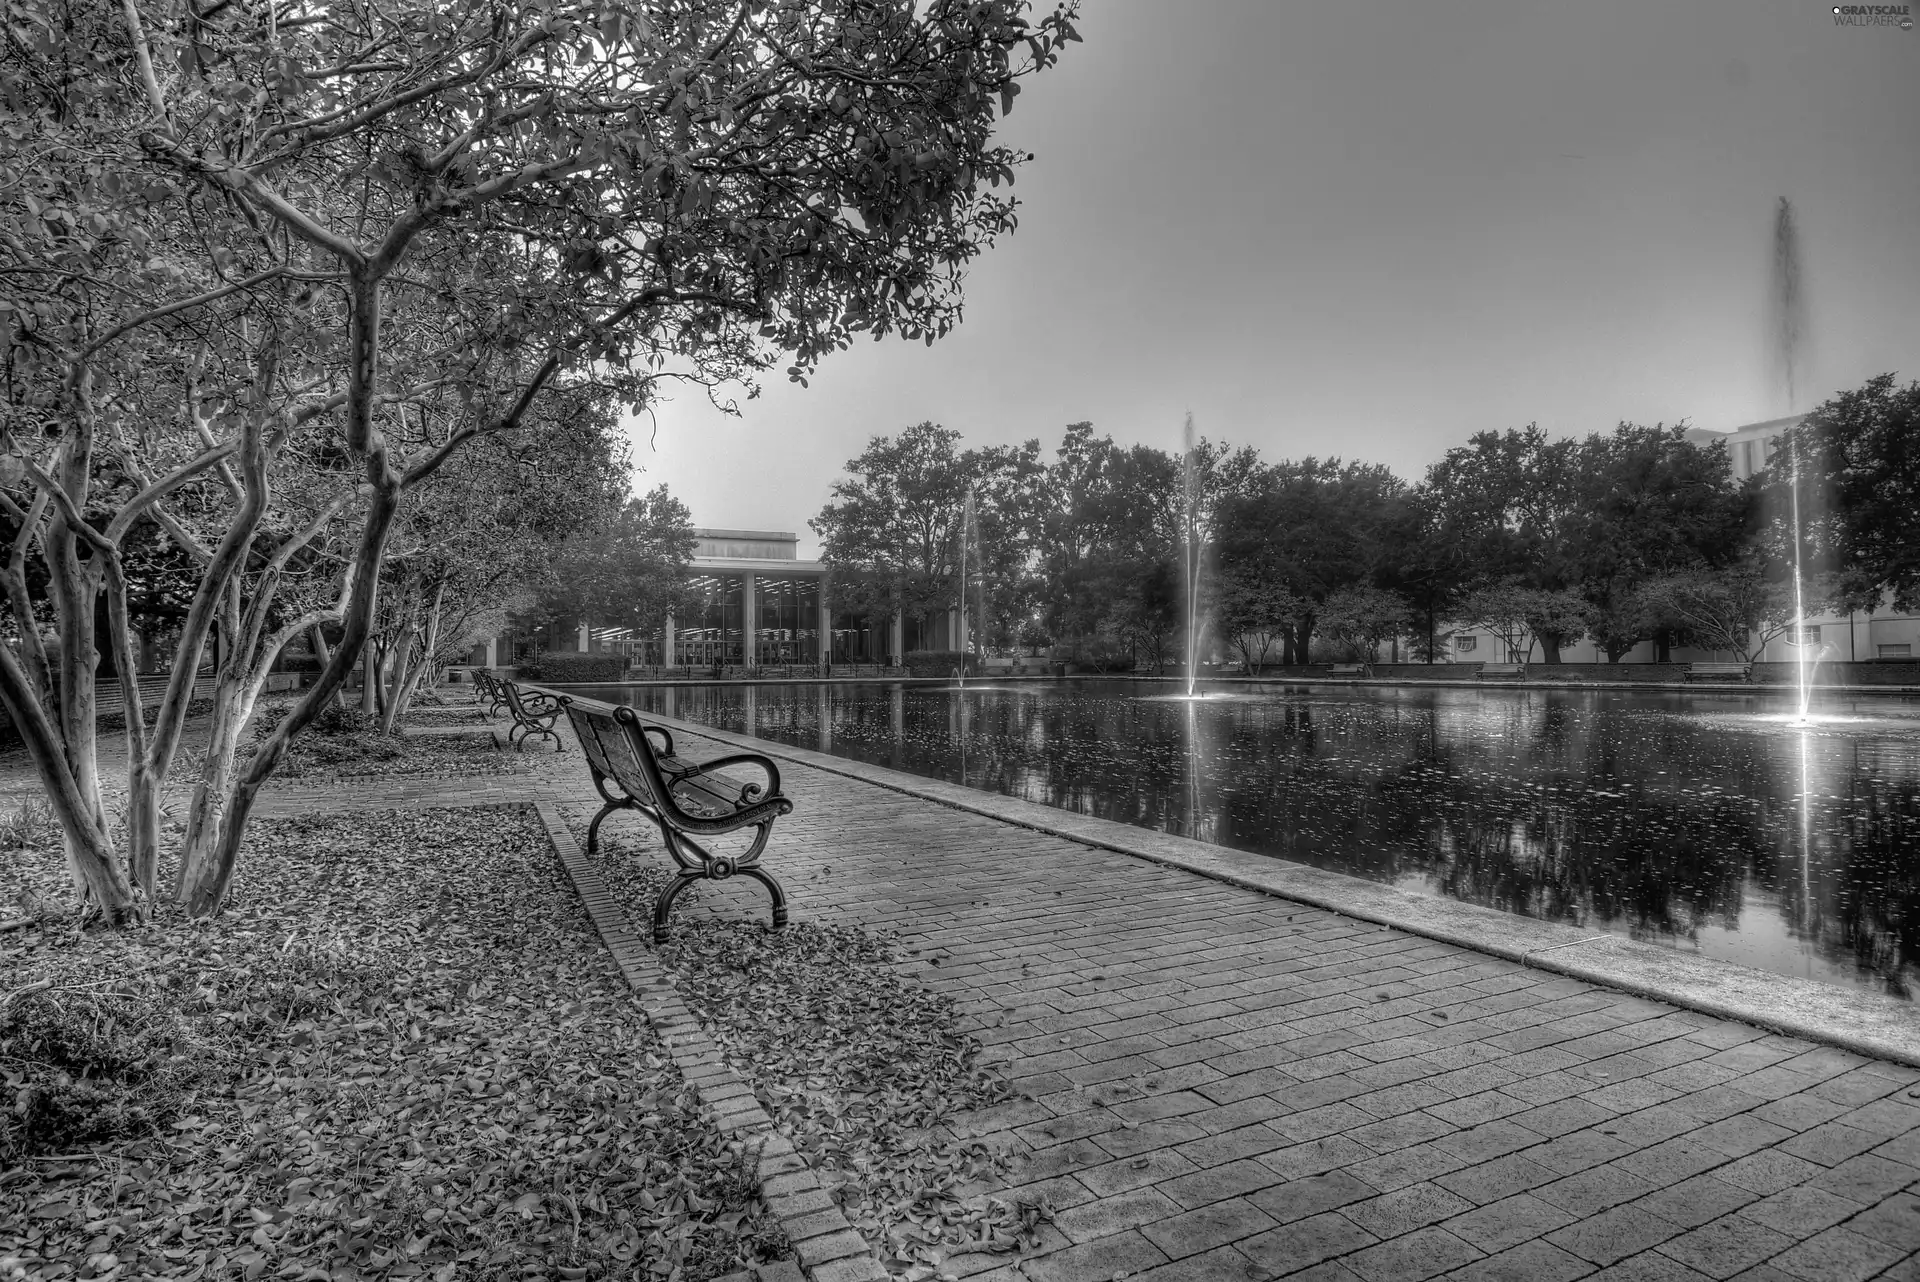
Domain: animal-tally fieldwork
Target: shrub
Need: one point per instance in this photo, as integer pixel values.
(304, 663)
(566, 667)
(941, 663)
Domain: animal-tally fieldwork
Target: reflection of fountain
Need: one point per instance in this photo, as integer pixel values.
(1789, 329)
(970, 534)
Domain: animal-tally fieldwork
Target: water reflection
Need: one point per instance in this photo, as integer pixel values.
(1704, 822)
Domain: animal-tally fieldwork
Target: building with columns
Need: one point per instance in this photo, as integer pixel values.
(757, 604)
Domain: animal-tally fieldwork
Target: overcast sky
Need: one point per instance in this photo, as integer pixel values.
(1369, 228)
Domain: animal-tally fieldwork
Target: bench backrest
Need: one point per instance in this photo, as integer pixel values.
(614, 752)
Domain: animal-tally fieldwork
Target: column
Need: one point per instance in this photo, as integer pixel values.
(826, 630)
(749, 622)
(492, 659)
(897, 639)
(584, 639)
(666, 643)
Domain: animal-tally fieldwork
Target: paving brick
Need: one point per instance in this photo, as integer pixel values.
(1296, 1246)
(1302, 1198)
(1130, 1173)
(1612, 1236)
(1725, 1246)
(1500, 1178)
(1692, 1203)
(1404, 1210)
(1593, 1190)
(1108, 1215)
(1895, 1222)
(1234, 1179)
(1215, 1225)
(1768, 1171)
(1512, 1220)
(1837, 1255)
(1529, 1262)
(1800, 1212)
(1425, 1253)
(1096, 1261)
(1831, 1144)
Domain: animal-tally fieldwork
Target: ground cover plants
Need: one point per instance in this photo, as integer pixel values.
(866, 1071)
(400, 1053)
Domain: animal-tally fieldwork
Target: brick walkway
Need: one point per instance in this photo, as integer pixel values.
(1227, 1085)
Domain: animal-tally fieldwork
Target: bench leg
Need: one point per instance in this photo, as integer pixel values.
(593, 829)
(779, 895)
(664, 904)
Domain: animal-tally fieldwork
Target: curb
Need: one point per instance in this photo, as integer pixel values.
(830, 1249)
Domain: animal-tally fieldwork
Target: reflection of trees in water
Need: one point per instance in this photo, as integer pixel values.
(1604, 812)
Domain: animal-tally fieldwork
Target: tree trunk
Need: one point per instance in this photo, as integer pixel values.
(1549, 648)
(205, 883)
(1663, 646)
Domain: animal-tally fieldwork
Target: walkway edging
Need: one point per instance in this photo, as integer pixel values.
(1852, 1020)
(830, 1249)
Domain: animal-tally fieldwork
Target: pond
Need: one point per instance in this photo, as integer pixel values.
(1706, 822)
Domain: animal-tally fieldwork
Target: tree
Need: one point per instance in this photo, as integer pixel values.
(1521, 616)
(251, 250)
(631, 572)
(1314, 527)
(1859, 474)
(894, 521)
(1361, 619)
(1739, 610)
(1250, 610)
(1649, 503)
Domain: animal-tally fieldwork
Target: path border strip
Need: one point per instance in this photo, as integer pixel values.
(830, 1249)
(1851, 1019)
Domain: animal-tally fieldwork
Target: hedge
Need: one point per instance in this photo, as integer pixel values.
(941, 663)
(568, 667)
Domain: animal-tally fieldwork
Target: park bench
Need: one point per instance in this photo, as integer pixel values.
(486, 689)
(1501, 671)
(1716, 672)
(1349, 670)
(686, 800)
(533, 713)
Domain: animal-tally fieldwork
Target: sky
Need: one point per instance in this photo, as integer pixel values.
(1369, 229)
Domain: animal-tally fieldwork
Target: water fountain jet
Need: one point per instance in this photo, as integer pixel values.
(1790, 325)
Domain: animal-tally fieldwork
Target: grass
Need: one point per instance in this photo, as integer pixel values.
(401, 1053)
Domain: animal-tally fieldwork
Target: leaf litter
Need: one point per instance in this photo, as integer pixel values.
(402, 1052)
(864, 1070)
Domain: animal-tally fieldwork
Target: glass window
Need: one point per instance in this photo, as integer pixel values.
(710, 633)
(1887, 650)
(1465, 644)
(786, 620)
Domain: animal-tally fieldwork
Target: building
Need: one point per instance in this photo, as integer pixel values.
(757, 604)
(1834, 638)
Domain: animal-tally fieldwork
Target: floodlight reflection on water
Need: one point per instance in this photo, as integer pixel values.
(1713, 822)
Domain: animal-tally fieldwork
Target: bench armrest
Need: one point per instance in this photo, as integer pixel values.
(666, 749)
(753, 791)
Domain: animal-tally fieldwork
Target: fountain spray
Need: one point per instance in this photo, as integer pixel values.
(969, 531)
(1790, 329)
(1190, 554)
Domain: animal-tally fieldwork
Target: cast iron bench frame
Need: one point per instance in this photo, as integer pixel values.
(533, 712)
(683, 799)
(1501, 672)
(487, 687)
(1717, 672)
